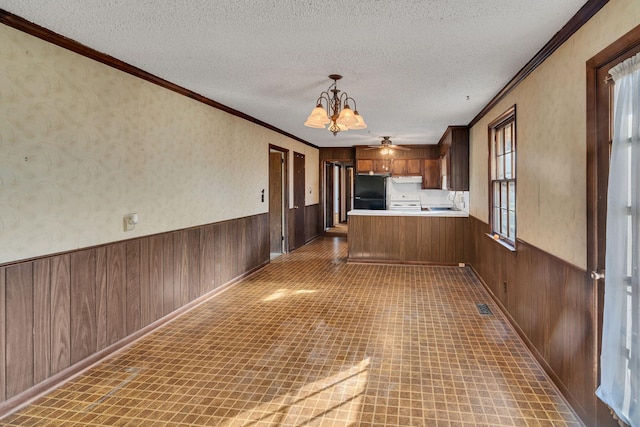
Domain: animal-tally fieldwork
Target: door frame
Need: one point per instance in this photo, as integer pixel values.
(298, 233)
(344, 165)
(327, 206)
(599, 112)
(285, 195)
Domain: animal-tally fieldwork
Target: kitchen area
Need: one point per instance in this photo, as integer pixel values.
(411, 204)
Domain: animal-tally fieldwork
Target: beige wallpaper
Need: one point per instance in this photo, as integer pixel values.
(551, 138)
(82, 144)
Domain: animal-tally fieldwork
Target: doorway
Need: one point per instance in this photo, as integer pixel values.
(599, 139)
(277, 200)
(338, 196)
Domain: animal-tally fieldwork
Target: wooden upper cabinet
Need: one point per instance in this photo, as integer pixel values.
(454, 149)
(414, 167)
(431, 174)
(399, 167)
(377, 166)
(381, 166)
(364, 166)
(406, 167)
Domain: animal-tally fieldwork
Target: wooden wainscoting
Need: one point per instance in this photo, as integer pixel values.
(408, 239)
(60, 311)
(551, 304)
(311, 222)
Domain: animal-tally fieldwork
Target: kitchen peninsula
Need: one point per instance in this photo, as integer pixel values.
(414, 225)
(408, 237)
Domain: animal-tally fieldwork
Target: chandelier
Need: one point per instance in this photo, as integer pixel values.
(337, 113)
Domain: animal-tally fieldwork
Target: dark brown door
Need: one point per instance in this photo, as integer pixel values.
(599, 137)
(276, 234)
(298, 200)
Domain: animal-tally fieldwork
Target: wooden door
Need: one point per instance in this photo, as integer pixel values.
(298, 200)
(599, 138)
(276, 199)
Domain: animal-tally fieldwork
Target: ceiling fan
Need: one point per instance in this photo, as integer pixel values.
(387, 146)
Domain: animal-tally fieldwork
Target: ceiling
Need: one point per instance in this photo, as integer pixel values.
(413, 66)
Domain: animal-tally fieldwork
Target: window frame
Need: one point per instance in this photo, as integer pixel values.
(506, 119)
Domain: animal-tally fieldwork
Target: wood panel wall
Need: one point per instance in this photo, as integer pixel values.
(551, 304)
(337, 154)
(408, 239)
(57, 311)
(312, 222)
(414, 152)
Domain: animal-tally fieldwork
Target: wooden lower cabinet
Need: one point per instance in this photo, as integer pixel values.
(408, 239)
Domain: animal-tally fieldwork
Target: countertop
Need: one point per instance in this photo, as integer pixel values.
(424, 212)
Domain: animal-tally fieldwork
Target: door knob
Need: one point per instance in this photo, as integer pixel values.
(597, 276)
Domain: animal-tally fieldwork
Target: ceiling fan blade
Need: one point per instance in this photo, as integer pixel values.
(397, 147)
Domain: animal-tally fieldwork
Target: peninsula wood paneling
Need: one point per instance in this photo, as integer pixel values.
(550, 303)
(59, 311)
(410, 239)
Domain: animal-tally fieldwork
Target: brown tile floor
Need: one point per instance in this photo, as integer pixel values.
(312, 341)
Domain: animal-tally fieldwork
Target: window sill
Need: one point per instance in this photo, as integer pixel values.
(501, 242)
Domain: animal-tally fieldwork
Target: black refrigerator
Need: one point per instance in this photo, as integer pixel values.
(370, 192)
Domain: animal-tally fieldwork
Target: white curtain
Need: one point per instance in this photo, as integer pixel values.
(620, 361)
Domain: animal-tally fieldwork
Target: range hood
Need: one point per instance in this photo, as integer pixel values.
(406, 179)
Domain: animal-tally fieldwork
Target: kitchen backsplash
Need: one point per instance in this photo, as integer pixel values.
(430, 197)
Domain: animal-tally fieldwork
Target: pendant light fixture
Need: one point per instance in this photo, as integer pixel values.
(337, 113)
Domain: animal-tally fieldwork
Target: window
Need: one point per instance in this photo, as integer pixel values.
(502, 188)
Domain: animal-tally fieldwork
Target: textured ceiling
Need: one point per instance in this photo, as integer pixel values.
(413, 66)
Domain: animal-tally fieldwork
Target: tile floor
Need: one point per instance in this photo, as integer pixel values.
(312, 341)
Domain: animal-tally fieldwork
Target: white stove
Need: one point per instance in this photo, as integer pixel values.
(405, 202)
